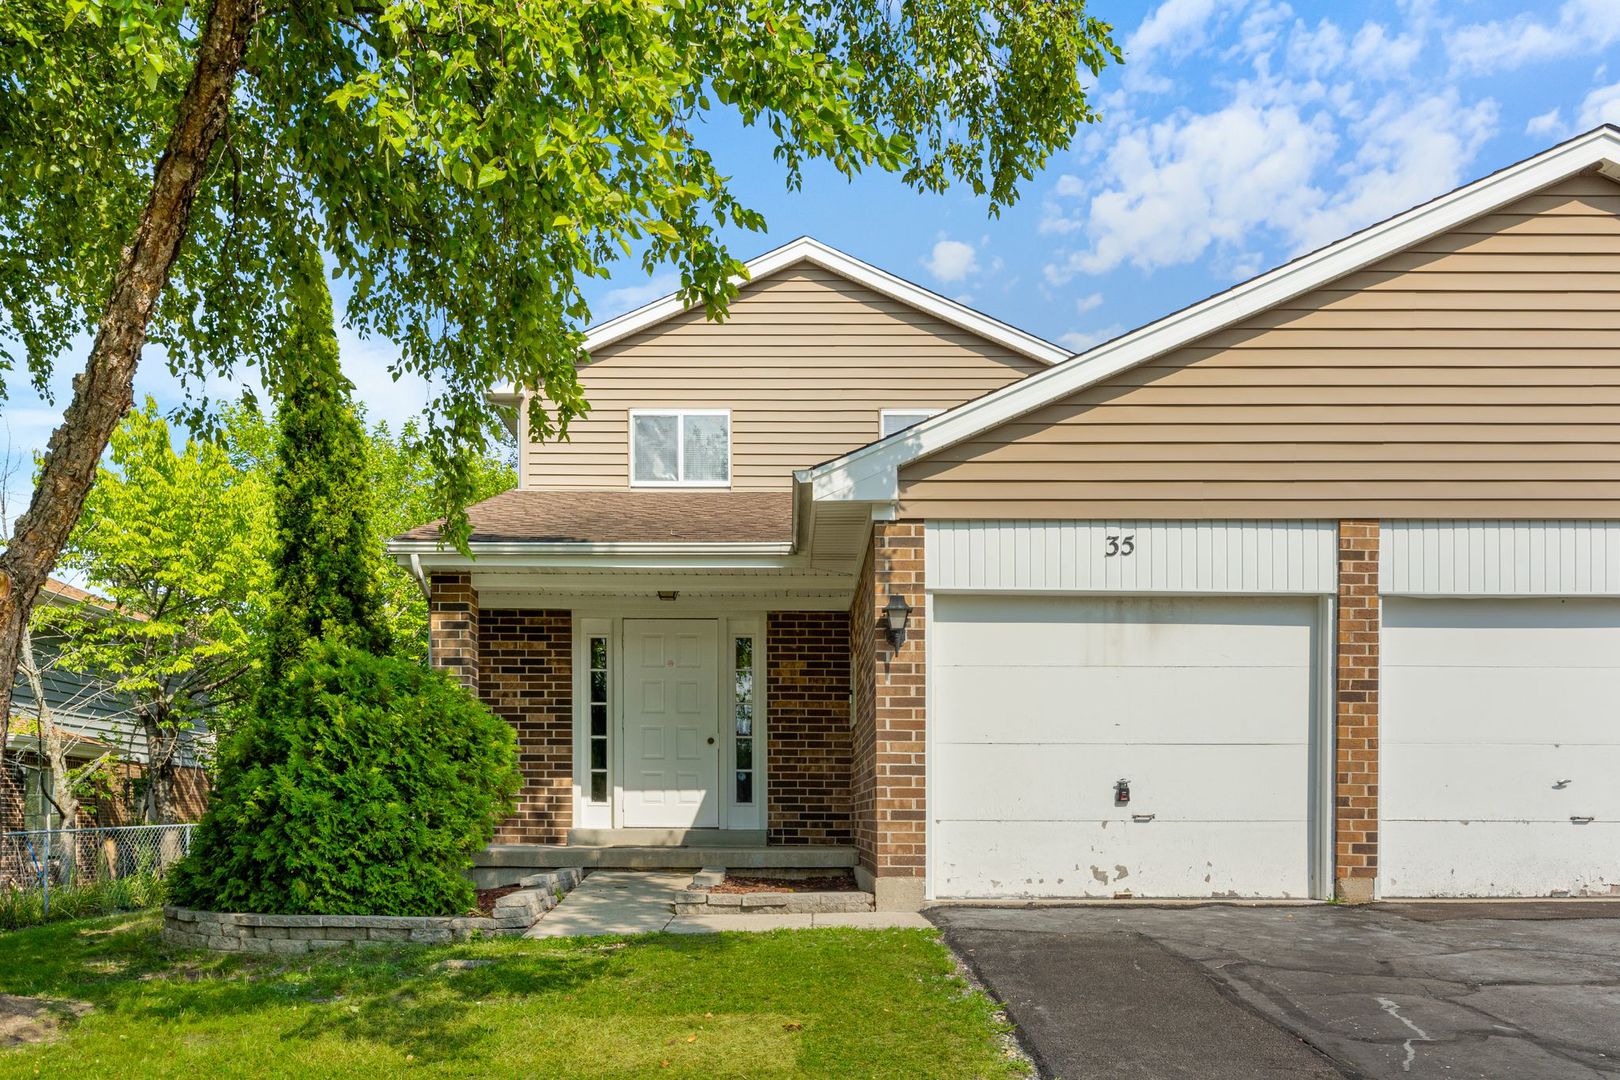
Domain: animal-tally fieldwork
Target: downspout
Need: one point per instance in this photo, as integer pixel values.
(421, 578)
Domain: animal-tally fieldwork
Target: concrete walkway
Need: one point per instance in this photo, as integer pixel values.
(638, 902)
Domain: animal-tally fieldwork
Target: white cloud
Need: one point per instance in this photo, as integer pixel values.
(1081, 340)
(1583, 27)
(1601, 106)
(1548, 123)
(1331, 132)
(1174, 28)
(1173, 189)
(1088, 303)
(629, 297)
(952, 260)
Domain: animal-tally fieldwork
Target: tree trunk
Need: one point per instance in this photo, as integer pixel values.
(102, 393)
(162, 741)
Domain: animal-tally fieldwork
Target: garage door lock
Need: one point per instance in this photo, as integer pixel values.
(1122, 792)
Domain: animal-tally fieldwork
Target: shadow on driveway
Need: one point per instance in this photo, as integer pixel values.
(1497, 991)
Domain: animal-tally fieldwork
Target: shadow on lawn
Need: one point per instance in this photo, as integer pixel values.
(398, 995)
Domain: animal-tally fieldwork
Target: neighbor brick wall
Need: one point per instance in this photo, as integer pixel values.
(1356, 718)
(453, 626)
(808, 736)
(525, 660)
(898, 803)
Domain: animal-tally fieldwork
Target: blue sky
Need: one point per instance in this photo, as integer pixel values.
(1237, 134)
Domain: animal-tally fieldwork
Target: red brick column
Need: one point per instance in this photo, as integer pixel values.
(897, 799)
(453, 627)
(526, 659)
(807, 700)
(1355, 865)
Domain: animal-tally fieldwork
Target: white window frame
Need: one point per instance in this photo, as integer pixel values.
(680, 449)
(884, 414)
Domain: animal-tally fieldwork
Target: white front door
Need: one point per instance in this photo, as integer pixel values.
(671, 723)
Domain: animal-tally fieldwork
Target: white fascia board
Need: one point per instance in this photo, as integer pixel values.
(871, 473)
(428, 556)
(805, 249)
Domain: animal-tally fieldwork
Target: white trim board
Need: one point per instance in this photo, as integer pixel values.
(871, 474)
(1499, 558)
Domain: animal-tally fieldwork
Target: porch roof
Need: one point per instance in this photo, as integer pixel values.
(626, 517)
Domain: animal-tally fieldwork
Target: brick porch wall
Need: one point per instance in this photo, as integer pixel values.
(808, 738)
(1356, 717)
(898, 804)
(526, 661)
(453, 626)
(863, 635)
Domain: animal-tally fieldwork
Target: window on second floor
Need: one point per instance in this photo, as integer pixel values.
(680, 448)
(893, 420)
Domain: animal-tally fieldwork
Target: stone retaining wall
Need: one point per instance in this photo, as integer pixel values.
(248, 932)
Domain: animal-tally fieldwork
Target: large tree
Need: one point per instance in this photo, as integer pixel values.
(468, 164)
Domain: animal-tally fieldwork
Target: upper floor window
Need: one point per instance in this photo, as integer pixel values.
(680, 448)
(893, 420)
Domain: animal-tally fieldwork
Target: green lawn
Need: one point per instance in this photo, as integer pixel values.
(789, 1003)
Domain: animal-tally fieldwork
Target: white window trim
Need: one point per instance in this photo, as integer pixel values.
(884, 414)
(680, 449)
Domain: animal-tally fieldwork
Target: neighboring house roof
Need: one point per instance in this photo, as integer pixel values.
(621, 517)
(871, 473)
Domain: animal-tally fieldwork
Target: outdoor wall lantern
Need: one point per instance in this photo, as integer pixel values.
(898, 613)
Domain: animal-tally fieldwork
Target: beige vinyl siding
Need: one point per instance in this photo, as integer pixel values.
(805, 363)
(1475, 375)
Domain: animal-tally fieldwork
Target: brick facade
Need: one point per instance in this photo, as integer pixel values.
(453, 626)
(1356, 717)
(890, 728)
(525, 663)
(808, 737)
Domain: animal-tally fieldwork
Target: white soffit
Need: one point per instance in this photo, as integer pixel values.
(872, 473)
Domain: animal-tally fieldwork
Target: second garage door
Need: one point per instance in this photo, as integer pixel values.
(1040, 704)
(1500, 747)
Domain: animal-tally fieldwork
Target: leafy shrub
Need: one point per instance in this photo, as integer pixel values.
(363, 785)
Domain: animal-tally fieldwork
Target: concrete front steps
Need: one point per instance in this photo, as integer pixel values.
(505, 864)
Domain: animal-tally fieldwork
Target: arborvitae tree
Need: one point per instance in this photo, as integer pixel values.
(326, 563)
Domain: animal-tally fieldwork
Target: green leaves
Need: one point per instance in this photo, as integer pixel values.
(469, 166)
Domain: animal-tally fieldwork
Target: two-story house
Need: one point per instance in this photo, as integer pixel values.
(1309, 589)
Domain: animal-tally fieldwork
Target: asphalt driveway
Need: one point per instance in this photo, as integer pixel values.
(1499, 991)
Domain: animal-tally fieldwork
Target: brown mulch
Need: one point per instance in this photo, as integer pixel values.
(487, 898)
(740, 883)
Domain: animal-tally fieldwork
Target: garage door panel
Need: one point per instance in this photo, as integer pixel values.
(1501, 705)
(1502, 859)
(1501, 782)
(1121, 705)
(1104, 859)
(1037, 631)
(1039, 704)
(1486, 705)
(1495, 633)
(1030, 782)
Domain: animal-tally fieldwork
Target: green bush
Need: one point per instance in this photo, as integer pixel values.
(363, 785)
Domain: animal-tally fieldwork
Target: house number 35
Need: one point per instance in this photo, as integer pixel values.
(1122, 546)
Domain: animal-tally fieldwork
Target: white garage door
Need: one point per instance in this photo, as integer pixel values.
(1039, 704)
(1500, 755)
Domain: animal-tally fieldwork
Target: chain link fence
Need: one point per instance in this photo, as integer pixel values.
(48, 859)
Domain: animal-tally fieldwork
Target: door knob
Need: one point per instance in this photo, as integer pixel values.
(711, 740)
